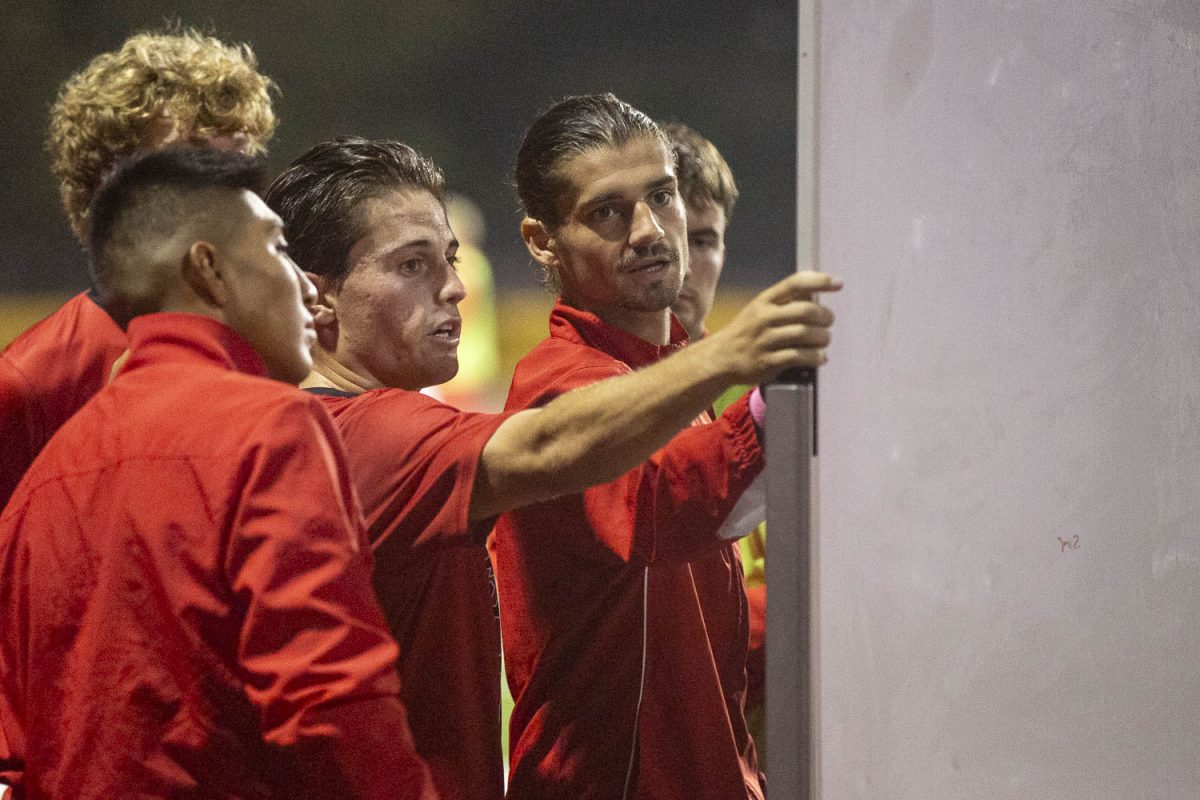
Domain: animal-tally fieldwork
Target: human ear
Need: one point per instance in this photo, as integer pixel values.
(540, 243)
(324, 308)
(202, 272)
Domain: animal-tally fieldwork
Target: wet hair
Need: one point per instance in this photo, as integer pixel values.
(319, 194)
(703, 175)
(571, 127)
(107, 110)
(147, 201)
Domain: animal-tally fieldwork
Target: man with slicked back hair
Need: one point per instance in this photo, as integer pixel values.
(622, 606)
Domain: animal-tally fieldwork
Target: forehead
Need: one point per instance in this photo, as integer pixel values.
(705, 215)
(259, 210)
(625, 169)
(250, 216)
(397, 218)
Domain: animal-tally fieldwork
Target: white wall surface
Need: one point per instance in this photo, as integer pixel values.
(1010, 499)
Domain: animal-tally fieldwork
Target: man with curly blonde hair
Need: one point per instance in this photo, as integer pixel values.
(157, 89)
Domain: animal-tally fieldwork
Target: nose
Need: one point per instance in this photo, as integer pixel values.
(644, 229)
(454, 291)
(308, 292)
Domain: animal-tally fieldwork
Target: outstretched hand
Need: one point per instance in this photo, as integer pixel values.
(782, 328)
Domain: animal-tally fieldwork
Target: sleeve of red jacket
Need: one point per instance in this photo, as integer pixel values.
(15, 455)
(426, 454)
(314, 652)
(672, 505)
(14, 458)
(10, 766)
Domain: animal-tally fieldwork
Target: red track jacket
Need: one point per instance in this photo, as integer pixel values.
(185, 593)
(624, 616)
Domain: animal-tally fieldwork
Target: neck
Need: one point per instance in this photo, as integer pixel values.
(653, 326)
(329, 373)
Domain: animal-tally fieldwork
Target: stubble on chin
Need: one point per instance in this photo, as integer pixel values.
(661, 294)
(658, 297)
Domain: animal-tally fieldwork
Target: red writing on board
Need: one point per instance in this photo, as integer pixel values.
(1068, 544)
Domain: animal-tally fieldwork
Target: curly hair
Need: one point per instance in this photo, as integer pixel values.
(704, 177)
(104, 112)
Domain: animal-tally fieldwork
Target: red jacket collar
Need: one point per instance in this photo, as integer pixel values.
(179, 337)
(584, 327)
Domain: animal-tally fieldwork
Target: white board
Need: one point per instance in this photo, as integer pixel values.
(1010, 426)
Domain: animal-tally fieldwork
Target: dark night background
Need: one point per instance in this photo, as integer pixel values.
(458, 80)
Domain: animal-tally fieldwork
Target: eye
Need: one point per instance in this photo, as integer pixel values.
(412, 266)
(662, 197)
(453, 261)
(603, 213)
(702, 243)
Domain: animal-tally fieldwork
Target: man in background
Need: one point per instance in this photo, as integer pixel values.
(185, 586)
(477, 385)
(155, 90)
(709, 194)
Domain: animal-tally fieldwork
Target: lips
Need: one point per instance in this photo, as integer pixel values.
(648, 265)
(448, 330)
(656, 259)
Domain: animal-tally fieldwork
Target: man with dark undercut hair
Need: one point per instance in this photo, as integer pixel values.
(156, 89)
(185, 592)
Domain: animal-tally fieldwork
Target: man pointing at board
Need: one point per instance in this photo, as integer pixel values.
(622, 607)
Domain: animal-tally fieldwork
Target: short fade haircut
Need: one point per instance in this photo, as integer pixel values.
(105, 111)
(146, 201)
(319, 194)
(703, 175)
(572, 126)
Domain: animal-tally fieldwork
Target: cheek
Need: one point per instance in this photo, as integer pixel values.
(587, 253)
(705, 269)
(394, 322)
(715, 274)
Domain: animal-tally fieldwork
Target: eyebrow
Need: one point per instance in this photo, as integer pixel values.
(600, 199)
(418, 244)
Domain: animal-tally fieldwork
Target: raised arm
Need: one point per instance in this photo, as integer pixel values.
(596, 433)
